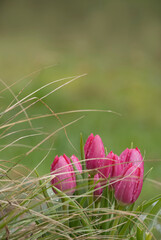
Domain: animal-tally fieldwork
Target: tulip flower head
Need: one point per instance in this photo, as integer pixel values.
(116, 168)
(106, 164)
(64, 176)
(94, 152)
(128, 189)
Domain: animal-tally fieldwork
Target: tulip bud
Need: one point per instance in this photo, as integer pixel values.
(98, 191)
(131, 155)
(116, 168)
(106, 168)
(128, 189)
(94, 152)
(64, 178)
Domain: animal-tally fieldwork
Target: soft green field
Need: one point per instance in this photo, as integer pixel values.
(117, 44)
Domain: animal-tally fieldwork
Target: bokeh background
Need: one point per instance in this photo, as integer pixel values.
(116, 43)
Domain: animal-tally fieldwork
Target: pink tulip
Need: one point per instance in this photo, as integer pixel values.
(106, 168)
(98, 191)
(116, 168)
(131, 155)
(129, 188)
(64, 178)
(94, 152)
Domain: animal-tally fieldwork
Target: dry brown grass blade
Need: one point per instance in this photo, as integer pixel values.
(18, 139)
(46, 85)
(52, 134)
(27, 76)
(24, 109)
(53, 114)
(19, 103)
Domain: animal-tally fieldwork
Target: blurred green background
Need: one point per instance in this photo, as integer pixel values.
(118, 45)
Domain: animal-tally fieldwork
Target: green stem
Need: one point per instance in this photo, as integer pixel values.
(90, 186)
(116, 221)
(65, 210)
(83, 162)
(97, 203)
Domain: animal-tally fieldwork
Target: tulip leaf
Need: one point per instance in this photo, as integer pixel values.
(148, 236)
(84, 201)
(140, 210)
(150, 216)
(148, 221)
(124, 227)
(91, 191)
(104, 199)
(105, 203)
(148, 204)
(140, 232)
(82, 146)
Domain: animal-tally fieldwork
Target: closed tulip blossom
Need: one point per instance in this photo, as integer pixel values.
(128, 189)
(94, 152)
(106, 164)
(64, 178)
(116, 168)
